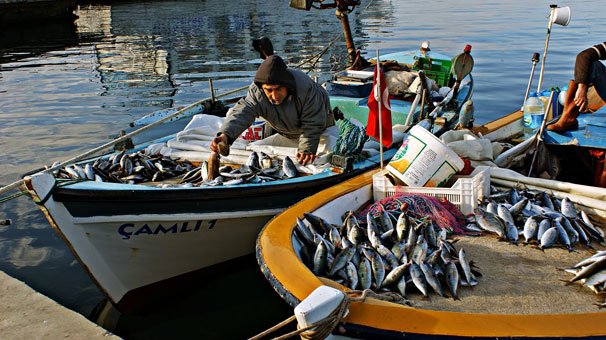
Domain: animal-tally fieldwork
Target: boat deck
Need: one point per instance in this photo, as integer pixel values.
(591, 132)
(516, 280)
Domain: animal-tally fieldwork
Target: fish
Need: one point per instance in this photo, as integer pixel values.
(378, 269)
(530, 229)
(265, 161)
(253, 161)
(320, 260)
(453, 280)
(549, 238)
(490, 222)
(365, 273)
(401, 226)
(431, 279)
(352, 275)
(395, 275)
(568, 209)
(562, 234)
(418, 279)
(341, 260)
(543, 226)
(465, 116)
(289, 168)
(469, 277)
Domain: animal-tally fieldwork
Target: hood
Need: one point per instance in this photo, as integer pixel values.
(273, 71)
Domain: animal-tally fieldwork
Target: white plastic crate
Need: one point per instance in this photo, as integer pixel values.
(464, 193)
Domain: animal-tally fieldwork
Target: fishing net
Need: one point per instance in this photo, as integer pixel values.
(351, 138)
(443, 213)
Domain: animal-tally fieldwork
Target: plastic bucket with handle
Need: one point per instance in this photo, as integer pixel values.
(423, 160)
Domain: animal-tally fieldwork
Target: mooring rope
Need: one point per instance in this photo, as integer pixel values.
(324, 327)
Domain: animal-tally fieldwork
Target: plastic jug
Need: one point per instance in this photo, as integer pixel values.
(533, 113)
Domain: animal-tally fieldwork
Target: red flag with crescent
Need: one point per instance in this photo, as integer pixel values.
(379, 94)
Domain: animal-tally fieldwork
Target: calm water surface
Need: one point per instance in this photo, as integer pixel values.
(65, 88)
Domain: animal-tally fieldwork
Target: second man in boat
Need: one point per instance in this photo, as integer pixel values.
(293, 104)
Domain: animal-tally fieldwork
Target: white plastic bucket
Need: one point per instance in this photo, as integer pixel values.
(423, 160)
(561, 16)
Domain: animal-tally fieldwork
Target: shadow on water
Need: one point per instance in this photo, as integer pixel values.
(234, 301)
(25, 40)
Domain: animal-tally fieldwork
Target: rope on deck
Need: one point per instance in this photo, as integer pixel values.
(324, 327)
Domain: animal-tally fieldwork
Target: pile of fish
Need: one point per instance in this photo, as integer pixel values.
(131, 168)
(390, 251)
(591, 272)
(257, 169)
(138, 167)
(538, 217)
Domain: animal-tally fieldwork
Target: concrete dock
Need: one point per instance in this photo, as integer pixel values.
(27, 314)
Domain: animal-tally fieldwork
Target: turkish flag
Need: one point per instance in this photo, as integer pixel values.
(379, 94)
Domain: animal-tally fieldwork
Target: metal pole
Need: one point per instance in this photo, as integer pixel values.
(535, 59)
(553, 7)
(351, 49)
(212, 90)
(379, 97)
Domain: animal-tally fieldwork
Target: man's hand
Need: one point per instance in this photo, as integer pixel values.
(305, 157)
(222, 138)
(580, 97)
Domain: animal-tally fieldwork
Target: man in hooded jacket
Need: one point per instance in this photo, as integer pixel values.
(292, 103)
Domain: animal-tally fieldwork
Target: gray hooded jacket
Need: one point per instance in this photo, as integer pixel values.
(303, 114)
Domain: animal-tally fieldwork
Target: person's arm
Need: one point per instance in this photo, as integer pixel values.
(238, 119)
(582, 70)
(313, 123)
(241, 116)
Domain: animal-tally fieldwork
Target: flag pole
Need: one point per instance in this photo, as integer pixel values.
(379, 98)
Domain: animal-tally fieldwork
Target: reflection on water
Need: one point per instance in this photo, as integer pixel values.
(67, 87)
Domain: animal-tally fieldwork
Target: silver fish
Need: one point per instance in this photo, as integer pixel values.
(401, 286)
(469, 277)
(395, 275)
(562, 235)
(253, 161)
(517, 208)
(549, 238)
(265, 161)
(418, 278)
(504, 214)
(320, 259)
(543, 226)
(530, 229)
(431, 279)
(401, 226)
(465, 116)
(490, 222)
(365, 273)
(452, 280)
(568, 209)
(289, 168)
(341, 260)
(388, 255)
(352, 275)
(378, 269)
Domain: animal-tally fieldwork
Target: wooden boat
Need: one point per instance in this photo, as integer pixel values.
(135, 239)
(540, 307)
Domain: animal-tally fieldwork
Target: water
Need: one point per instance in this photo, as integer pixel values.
(64, 88)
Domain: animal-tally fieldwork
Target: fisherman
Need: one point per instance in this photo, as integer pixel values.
(292, 103)
(588, 71)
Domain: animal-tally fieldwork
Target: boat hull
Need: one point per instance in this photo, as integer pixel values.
(132, 240)
(278, 259)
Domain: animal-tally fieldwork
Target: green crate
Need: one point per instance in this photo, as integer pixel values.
(438, 70)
